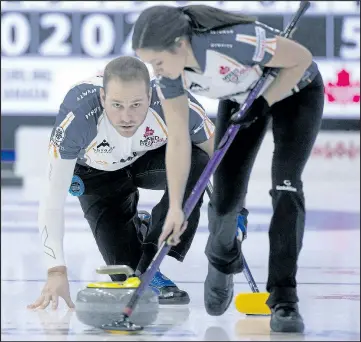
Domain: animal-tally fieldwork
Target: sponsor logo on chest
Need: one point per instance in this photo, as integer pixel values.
(125, 160)
(151, 140)
(232, 75)
(103, 147)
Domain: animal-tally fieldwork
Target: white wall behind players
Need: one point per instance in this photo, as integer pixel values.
(333, 166)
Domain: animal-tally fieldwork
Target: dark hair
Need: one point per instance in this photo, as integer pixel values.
(158, 26)
(126, 68)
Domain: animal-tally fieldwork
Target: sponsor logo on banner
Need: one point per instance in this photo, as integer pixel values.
(20, 84)
(37, 86)
(343, 91)
(335, 157)
(337, 149)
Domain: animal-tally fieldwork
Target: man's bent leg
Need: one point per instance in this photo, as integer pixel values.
(109, 204)
(153, 176)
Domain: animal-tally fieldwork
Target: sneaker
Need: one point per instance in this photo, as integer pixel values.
(168, 292)
(285, 317)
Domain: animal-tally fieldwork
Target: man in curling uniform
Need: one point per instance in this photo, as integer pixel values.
(109, 139)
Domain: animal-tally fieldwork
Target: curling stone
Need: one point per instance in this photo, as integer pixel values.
(103, 302)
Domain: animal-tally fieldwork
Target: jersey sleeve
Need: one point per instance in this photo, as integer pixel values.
(57, 181)
(201, 128)
(255, 43)
(72, 130)
(169, 89)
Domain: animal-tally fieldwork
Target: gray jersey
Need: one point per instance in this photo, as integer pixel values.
(232, 61)
(82, 130)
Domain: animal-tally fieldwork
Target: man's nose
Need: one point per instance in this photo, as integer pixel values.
(125, 117)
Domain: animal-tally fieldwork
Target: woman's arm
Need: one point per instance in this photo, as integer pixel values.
(178, 153)
(293, 59)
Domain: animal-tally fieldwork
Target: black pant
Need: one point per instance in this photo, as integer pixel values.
(296, 122)
(110, 204)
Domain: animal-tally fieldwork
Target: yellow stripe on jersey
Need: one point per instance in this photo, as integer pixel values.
(56, 152)
(67, 121)
(160, 123)
(91, 146)
(53, 145)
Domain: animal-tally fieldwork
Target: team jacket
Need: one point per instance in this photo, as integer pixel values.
(232, 61)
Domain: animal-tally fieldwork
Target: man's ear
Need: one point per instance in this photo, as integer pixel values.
(102, 96)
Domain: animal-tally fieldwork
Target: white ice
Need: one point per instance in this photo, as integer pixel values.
(328, 276)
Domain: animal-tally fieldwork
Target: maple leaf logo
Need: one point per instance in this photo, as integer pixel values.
(148, 132)
(343, 91)
(337, 149)
(223, 70)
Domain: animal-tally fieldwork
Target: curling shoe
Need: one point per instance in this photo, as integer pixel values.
(286, 318)
(168, 292)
